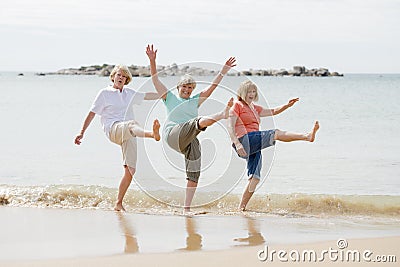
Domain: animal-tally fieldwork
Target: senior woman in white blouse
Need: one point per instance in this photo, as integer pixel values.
(111, 104)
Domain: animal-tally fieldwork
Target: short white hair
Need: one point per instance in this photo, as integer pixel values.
(186, 79)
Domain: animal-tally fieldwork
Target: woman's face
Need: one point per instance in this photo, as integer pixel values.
(251, 95)
(119, 80)
(185, 90)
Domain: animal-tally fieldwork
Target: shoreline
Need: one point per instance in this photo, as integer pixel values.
(162, 202)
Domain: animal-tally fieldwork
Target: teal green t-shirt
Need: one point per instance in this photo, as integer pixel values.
(180, 110)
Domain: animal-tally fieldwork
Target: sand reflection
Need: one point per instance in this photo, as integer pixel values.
(254, 237)
(193, 239)
(131, 244)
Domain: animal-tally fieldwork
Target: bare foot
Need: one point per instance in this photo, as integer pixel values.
(227, 108)
(311, 135)
(156, 130)
(188, 214)
(119, 207)
(193, 213)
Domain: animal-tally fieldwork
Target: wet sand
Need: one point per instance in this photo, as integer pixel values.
(233, 257)
(67, 237)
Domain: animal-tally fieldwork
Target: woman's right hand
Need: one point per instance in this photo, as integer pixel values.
(151, 53)
(240, 150)
(78, 139)
(230, 63)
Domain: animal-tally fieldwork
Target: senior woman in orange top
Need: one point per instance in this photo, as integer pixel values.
(248, 140)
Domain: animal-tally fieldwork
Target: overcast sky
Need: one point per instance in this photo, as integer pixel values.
(349, 36)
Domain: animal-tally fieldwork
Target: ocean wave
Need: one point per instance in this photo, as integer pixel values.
(296, 204)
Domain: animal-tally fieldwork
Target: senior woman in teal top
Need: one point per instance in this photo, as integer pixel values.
(183, 123)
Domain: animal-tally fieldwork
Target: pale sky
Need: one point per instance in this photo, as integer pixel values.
(349, 36)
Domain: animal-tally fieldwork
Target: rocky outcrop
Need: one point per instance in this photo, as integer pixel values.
(175, 70)
(296, 71)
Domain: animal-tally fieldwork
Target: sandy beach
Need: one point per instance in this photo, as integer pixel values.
(385, 248)
(79, 237)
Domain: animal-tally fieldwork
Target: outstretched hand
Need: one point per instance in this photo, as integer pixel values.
(151, 53)
(230, 63)
(292, 101)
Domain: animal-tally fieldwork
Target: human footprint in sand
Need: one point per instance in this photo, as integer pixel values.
(183, 123)
(248, 140)
(112, 104)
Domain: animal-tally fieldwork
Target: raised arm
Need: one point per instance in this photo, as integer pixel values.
(230, 63)
(275, 111)
(86, 124)
(231, 130)
(160, 87)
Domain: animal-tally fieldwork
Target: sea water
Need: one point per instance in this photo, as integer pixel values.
(352, 168)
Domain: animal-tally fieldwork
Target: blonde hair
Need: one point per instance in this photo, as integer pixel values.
(186, 79)
(244, 89)
(124, 70)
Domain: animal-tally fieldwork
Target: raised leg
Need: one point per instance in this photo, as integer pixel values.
(140, 132)
(210, 120)
(286, 136)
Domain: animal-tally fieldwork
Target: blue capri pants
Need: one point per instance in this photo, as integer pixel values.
(253, 143)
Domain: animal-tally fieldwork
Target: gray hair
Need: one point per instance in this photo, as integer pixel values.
(186, 79)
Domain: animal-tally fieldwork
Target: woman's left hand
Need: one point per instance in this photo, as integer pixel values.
(151, 53)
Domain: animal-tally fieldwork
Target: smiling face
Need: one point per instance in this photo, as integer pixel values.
(186, 86)
(185, 90)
